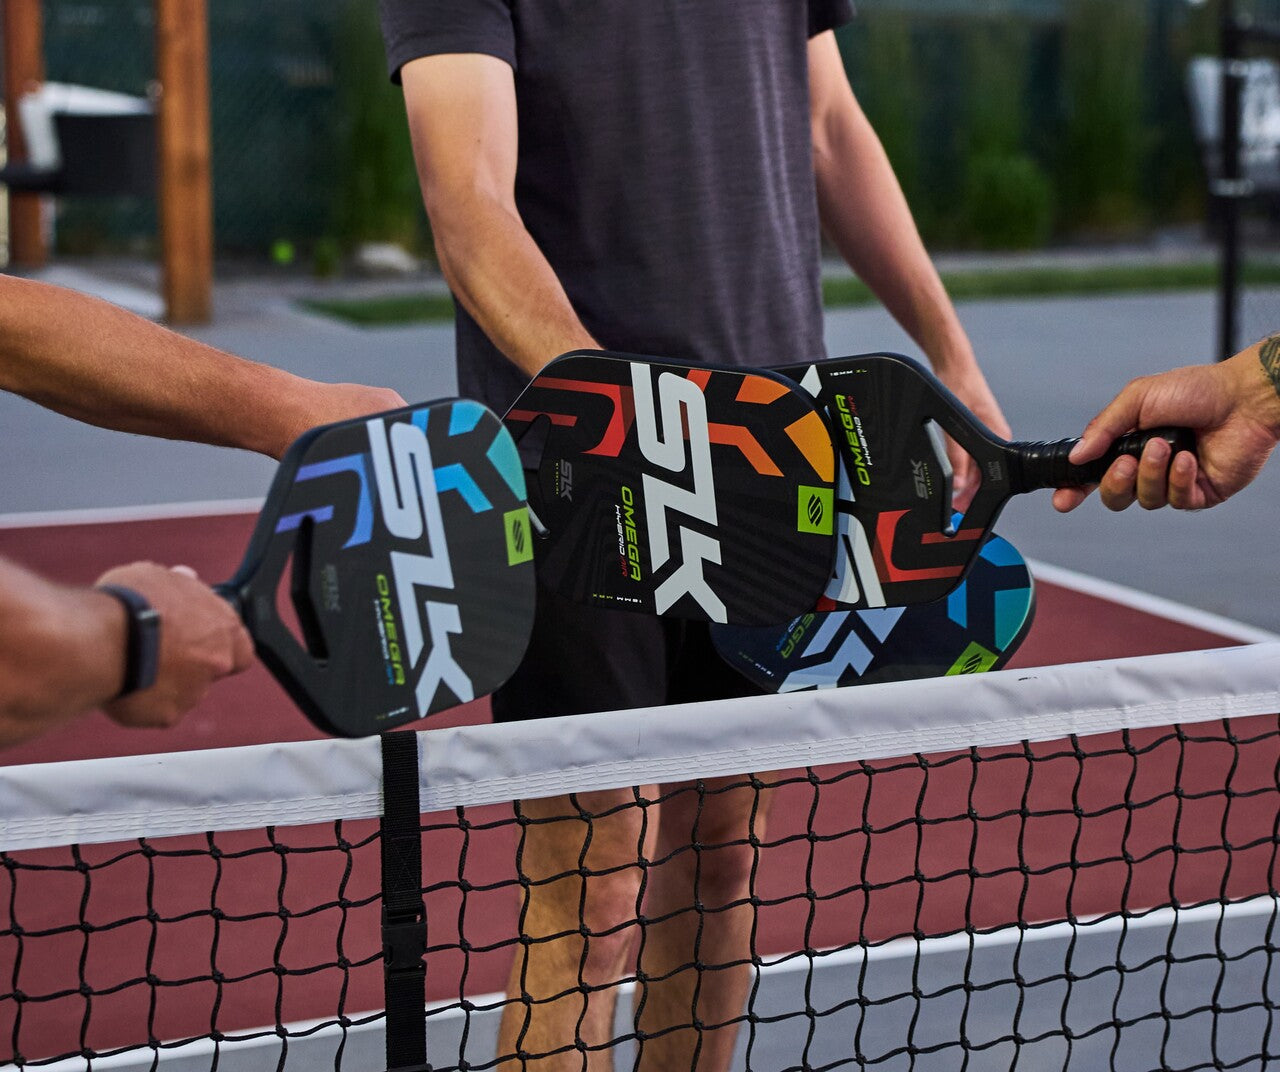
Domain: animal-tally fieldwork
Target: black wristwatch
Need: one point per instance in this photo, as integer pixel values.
(142, 643)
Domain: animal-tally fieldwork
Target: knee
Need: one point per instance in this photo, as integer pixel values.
(608, 924)
(717, 874)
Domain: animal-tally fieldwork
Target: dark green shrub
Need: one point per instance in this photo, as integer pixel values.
(377, 198)
(883, 69)
(1008, 201)
(1106, 139)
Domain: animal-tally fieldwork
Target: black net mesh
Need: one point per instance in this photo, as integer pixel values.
(147, 946)
(1101, 902)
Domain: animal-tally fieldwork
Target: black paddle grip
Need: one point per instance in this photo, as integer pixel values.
(1045, 465)
(231, 594)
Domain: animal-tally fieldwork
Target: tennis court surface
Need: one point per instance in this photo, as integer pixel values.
(1068, 864)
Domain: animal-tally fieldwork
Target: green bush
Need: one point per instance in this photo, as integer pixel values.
(1008, 201)
(995, 54)
(884, 71)
(1106, 140)
(377, 198)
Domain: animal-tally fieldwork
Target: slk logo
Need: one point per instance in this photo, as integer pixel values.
(920, 477)
(406, 482)
(682, 405)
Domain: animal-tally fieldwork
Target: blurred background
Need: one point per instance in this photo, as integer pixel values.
(1013, 124)
(1064, 159)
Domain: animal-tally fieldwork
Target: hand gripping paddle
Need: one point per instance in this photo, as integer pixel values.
(977, 628)
(405, 539)
(678, 489)
(887, 415)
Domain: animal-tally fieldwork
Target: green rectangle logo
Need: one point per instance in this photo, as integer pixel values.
(815, 510)
(519, 536)
(975, 659)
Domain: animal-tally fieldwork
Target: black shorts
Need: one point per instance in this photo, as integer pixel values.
(584, 659)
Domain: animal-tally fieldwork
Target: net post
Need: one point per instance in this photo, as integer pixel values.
(1229, 187)
(404, 924)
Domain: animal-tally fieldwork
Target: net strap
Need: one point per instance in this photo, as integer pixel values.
(404, 926)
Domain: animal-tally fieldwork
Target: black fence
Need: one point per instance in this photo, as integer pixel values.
(304, 122)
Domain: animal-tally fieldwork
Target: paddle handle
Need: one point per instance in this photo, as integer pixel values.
(231, 594)
(1045, 465)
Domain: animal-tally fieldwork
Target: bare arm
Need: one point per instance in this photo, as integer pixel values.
(865, 214)
(101, 364)
(62, 649)
(462, 119)
(1234, 407)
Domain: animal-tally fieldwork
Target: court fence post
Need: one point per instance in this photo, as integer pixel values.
(1229, 187)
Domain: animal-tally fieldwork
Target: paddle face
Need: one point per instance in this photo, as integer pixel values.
(677, 489)
(887, 414)
(977, 628)
(404, 541)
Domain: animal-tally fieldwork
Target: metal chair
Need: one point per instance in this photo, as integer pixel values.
(102, 156)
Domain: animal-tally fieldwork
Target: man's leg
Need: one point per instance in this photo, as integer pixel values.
(579, 659)
(581, 857)
(703, 858)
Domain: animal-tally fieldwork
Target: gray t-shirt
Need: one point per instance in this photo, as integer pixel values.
(665, 168)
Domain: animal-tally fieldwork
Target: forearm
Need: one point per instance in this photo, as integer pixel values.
(502, 278)
(95, 362)
(872, 226)
(464, 127)
(1256, 387)
(61, 652)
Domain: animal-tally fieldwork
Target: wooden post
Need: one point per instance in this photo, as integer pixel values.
(22, 32)
(185, 160)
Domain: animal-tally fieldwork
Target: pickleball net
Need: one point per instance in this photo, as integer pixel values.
(1070, 867)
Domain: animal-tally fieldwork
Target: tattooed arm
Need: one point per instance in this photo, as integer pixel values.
(1234, 407)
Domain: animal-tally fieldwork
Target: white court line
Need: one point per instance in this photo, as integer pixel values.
(136, 299)
(1149, 604)
(1057, 575)
(112, 515)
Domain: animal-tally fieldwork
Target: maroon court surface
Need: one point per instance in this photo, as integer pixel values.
(272, 925)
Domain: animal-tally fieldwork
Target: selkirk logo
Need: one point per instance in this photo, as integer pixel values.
(815, 511)
(920, 478)
(566, 480)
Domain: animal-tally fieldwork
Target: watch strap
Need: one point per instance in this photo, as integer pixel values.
(142, 639)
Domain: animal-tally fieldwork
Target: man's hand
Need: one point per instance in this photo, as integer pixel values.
(201, 640)
(327, 403)
(968, 384)
(1232, 406)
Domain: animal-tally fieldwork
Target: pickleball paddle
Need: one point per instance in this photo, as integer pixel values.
(977, 628)
(678, 489)
(889, 417)
(404, 541)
